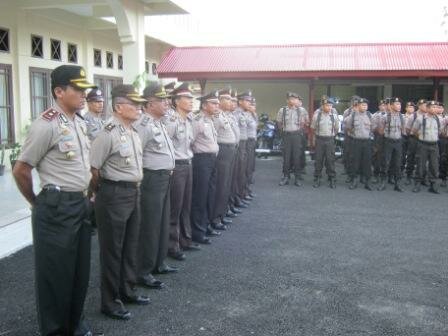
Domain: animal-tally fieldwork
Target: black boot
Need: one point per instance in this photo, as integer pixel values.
(375, 179)
(443, 184)
(316, 182)
(284, 180)
(408, 180)
(382, 185)
(297, 179)
(332, 183)
(417, 185)
(433, 188)
(353, 184)
(367, 185)
(390, 180)
(398, 186)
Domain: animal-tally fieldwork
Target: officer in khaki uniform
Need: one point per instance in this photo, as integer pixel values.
(227, 148)
(412, 155)
(378, 141)
(292, 121)
(205, 148)
(409, 110)
(158, 165)
(57, 145)
(359, 126)
(252, 125)
(325, 124)
(93, 118)
(180, 130)
(392, 127)
(348, 153)
(427, 129)
(116, 160)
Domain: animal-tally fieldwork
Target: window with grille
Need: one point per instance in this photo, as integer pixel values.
(4, 40)
(55, 50)
(72, 53)
(109, 60)
(120, 62)
(37, 49)
(40, 85)
(6, 106)
(97, 57)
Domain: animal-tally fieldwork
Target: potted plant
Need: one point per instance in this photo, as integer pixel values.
(14, 155)
(2, 160)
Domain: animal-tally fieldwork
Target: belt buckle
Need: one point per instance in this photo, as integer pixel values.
(84, 193)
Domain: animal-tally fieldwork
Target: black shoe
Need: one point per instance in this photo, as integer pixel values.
(348, 180)
(236, 210)
(242, 205)
(367, 186)
(94, 333)
(332, 183)
(220, 227)
(382, 185)
(248, 198)
(226, 221)
(253, 195)
(433, 188)
(179, 256)
(165, 269)
(398, 188)
(123, 315)
(416, 187)
(408, 181)
(245, 202)
(297, 182)
(150, 282)
(284, 181)
(390, 180)
(375, 180)
(443, 184)
(212, 233)
(353, 184)
(231, 214)
(316, 183)
(140, 300)
(204, 241)
(192, 247)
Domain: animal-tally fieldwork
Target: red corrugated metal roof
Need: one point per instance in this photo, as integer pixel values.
(407, 59)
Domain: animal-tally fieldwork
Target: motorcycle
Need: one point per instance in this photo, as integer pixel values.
(268, 139)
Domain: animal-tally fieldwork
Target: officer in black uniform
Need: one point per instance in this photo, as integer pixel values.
(57, 145)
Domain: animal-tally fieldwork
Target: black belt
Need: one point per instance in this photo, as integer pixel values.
(182, 162)
(67, 195)
(205, 154)
(392, 140)
(321, 137)
(428, 142)
(226, 145)
(123, 184)
(157, 171)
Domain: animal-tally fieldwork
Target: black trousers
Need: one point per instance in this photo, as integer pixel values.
(405, 145)
(443, 154)
(325, 154)
(180, 199)
(155, 220)
(219, 200)
(241, 169)
(362, 158)
(411, 156)
(378, 154)
(250, 148)
(61, 238)
(348, 155)
(392, 158)
(292, 151)
(203, 166)
(428, 153)
(117, 209)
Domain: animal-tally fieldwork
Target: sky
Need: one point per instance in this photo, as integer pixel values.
(250, 22)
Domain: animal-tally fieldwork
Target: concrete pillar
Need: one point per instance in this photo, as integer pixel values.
(130, 18)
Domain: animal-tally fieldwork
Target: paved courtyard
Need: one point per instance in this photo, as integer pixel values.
(299, 261)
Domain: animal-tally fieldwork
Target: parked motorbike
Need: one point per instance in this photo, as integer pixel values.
(268, 139)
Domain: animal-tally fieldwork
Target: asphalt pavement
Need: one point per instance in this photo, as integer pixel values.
(299, 261)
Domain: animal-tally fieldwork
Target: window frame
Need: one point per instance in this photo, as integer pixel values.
(100, 65)
(75, 46)
(120, 62)
(109, 57)
(8, 40)
(41, 45)
(49, 97)
(52, 40)
(10, 104)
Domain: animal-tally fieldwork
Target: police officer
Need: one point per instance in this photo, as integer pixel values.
(57, 145)
(304, 136)
(443, 144)
(409, 110)
(227, 141)
(158, 165)
(359, 126)
(180, 130)
(378, 141)
(291, 121)
(93, 116)
(392, 127)
(427, 128)
(205, 148)
(348, 157)
(325, 124)
(252, 125)
(411, 155)
(116, 160)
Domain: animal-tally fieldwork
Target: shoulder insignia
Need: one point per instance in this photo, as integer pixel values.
(109, 127)
(80, 116)
(50, 114)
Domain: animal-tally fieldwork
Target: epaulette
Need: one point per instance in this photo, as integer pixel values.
(109, 127)
(144, 121)
(50, 114)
